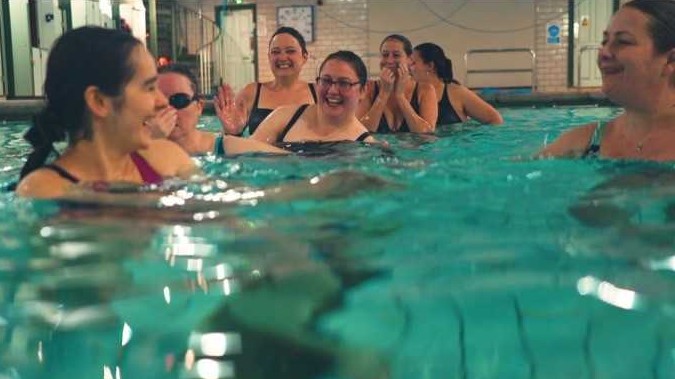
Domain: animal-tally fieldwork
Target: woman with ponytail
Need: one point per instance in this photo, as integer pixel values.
(101, 94)
(456, 103)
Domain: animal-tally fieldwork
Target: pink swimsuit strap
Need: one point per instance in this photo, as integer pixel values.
(148, 174)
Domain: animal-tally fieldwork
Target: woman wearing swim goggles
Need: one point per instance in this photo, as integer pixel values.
(181, 100)
(179, 84)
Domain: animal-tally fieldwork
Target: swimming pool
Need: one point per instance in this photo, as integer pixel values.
(470, 261)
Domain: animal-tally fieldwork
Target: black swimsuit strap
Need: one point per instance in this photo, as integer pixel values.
(363, 136)
(256, 100)
(414, 101)
(292, 122)
(62, 173)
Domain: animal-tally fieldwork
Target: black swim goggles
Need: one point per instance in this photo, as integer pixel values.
(181, 100)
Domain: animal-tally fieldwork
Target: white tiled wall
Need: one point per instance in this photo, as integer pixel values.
(551, 59)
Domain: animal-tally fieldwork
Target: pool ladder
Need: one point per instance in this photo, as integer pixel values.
(532, 69)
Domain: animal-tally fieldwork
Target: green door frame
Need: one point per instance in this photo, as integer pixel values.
(8, 62)
(67, 12)
(570, 40)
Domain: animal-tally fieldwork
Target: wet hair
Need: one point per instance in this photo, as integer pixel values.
(80, 58)
(407, 46)
(432, 53)
(181, 69)
(293, 33)
(352, 60)
(661, 14)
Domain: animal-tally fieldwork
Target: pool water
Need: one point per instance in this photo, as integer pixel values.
(446, 256)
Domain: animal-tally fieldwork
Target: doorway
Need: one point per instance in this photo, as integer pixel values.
(3, 68)
(588, 19)
(238, 44)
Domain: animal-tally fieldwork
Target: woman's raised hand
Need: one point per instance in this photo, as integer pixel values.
(163, 123)
(402, 78)
(387, 78)
(231, 118)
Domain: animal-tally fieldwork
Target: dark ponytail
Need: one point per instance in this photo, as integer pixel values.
(42, 135)
(432, 53)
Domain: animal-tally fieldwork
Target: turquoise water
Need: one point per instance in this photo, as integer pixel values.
(453, 256)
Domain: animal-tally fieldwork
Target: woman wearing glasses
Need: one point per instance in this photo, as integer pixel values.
(287, 56)
(395, 103)
(179, 121)
(342, 77)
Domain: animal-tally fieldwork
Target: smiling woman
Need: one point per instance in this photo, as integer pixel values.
(287, 56)
(100, 95)
(637, 63)
(179, 84)
(341, 80)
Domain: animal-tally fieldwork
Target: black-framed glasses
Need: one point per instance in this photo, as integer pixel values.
(341, 84)
(181, 100)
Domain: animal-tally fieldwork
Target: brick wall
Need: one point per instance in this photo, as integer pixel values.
(344, 24)
(551, 59)
(338, 25)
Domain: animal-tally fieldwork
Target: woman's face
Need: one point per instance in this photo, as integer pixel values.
(632, 71)
(339, 89)
(421, 71)
(392, 55)
(175, 84)
(285, 56)
(140, 101)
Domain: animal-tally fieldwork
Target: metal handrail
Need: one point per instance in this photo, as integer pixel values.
(583, 49)
(205, 53)
(207, 29)
(532, 69)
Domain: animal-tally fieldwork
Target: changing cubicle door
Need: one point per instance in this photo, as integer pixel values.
(238, 44)
(3, 65)
(590, 20)
(47, 19)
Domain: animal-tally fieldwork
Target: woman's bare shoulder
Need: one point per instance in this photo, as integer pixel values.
(42, 183)
(573, 142)
(167, 157)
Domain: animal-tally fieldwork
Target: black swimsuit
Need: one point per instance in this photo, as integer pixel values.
(296, 116)
(383, 126)
(446, 112)
(593, 148)
(257, 115)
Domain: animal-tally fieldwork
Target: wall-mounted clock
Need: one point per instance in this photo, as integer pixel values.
(300, 17)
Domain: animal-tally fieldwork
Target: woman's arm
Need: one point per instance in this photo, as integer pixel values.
(571, 144)
(473, 106)
(268, 131)
(169, 159)
(43, 184)
(425, 121)
(236, 145)
(371, 110)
